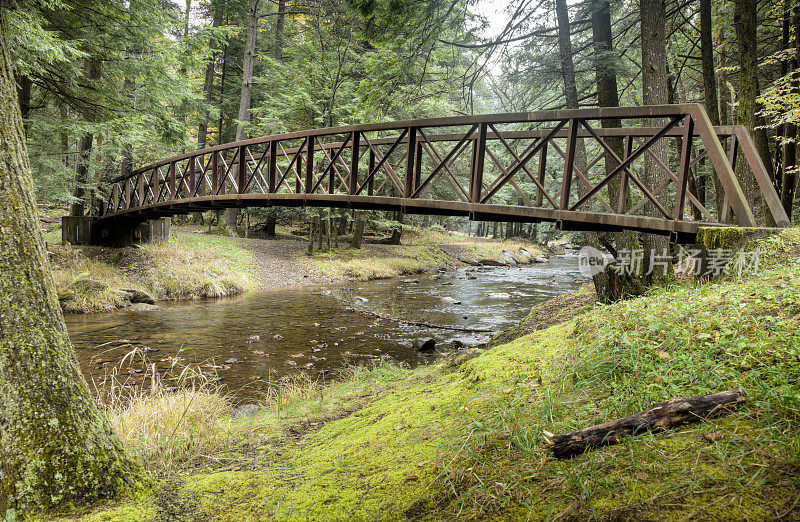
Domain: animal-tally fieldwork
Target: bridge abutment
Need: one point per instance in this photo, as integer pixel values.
(76, 230)
(719, 249)
(86, 230)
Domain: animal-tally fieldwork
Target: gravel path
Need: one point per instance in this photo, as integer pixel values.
(279, 261)
(276, 260)
(278, 267)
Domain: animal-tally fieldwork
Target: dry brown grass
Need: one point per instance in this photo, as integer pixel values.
(169, 421)
(190, 267)
(186, 267)
(180, 419)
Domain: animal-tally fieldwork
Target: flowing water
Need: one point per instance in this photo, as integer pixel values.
(250, 341)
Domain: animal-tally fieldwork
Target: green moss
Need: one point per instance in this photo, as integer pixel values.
(720, 237)
(553, 311)
(132, 509)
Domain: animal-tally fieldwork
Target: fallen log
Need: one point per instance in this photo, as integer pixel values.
(656, 418)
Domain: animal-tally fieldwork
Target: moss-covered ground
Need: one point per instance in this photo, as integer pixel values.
(470, 441)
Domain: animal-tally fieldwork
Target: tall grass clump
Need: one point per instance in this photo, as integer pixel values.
(170, 421)
(196, 267)
(86, 284)
(91, 279)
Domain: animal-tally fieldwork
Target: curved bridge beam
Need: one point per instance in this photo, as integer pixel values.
(504, 167)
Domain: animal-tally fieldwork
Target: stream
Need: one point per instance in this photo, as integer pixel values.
(250, 341)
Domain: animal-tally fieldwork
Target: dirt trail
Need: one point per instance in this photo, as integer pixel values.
(277, 264)
(280, 264)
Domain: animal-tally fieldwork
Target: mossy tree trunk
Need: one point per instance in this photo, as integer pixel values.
(56, 446)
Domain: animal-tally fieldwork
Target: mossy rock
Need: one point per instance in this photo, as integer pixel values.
(89, 286)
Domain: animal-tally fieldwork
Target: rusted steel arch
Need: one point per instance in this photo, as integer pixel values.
(505, 167)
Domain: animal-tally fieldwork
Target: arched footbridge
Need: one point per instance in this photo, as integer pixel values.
(582, 169)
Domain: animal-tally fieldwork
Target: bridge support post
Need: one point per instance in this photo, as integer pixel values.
(156, 230)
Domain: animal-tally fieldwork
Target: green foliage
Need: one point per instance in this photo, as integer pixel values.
(103, 69)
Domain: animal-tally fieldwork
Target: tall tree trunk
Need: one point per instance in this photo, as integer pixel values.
(722, 77)
(24, 86)
(78, 208)
(269, 226)
(272, 217)
(654, 92)
(185, 107)
(709, 90)
(724, 100)
(63, 113)
(707, 59)
(320, 231)
(745, 21)
(223, 77)
(246, 97)
(310, 248)
(359, 224)
(790, 132)
(616, 285)
(279, 22)
(397, 232)
(571, 96)
(247, 70)
(208, 84)
(56, 447)
(328, 232)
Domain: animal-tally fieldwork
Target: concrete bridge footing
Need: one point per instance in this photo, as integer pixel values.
(87, 230)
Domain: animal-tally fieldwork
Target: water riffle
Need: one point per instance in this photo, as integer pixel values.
(317, 330)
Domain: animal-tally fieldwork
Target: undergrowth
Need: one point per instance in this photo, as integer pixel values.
(365, 265)
(619, 359)
(422, 249)
(91, 279)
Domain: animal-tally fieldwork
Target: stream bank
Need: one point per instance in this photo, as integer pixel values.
(248, 342)
(198, 265)
(465, 441)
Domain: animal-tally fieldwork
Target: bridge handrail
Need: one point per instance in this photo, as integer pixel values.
(595, 114)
